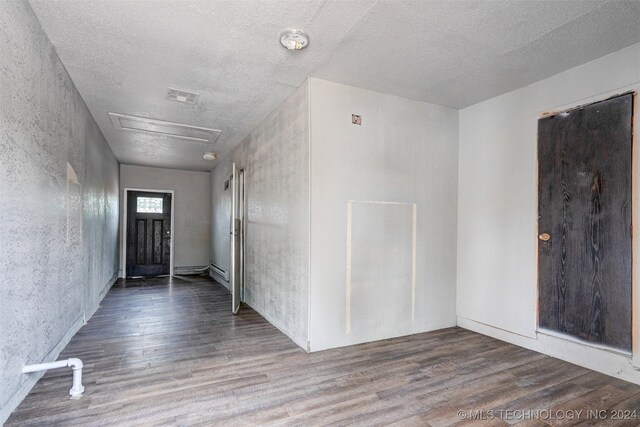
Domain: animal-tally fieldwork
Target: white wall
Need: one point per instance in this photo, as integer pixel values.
(192, 211)
(496, 291)
(275, 156)
(404, 159)
(221, 217)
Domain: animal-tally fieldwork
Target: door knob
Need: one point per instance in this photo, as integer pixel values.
(544, 237)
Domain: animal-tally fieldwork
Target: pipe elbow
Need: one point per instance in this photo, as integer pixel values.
(74, 363)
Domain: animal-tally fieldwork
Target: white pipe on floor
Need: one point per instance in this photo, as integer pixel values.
(76, 364)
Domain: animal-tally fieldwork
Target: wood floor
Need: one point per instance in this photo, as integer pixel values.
(169, 352)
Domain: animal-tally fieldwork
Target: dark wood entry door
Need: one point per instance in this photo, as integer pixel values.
(148, 233)
(584, 222)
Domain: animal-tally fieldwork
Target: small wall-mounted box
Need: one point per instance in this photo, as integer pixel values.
(356, 119)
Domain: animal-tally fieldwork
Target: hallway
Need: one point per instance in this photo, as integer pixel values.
(168, 351)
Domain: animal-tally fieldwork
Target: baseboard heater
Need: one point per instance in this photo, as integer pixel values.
(220, 272)
(190, 269)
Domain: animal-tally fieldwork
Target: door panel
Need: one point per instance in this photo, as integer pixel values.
(148, 233)
(236, 276)
(158, 225)
(141, 244)
(584, 222)
(237, 237)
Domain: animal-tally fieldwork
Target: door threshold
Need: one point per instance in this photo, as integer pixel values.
(567, 337)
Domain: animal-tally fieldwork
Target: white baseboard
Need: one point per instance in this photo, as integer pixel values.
(32, 379)
(606, 361)
(101, 295)
(300, 342)
(218, 278)
(108, 286)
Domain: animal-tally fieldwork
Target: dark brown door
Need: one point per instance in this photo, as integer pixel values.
(584, 222)
(148, 233)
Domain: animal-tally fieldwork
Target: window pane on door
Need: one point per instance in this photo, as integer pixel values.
(149, 205)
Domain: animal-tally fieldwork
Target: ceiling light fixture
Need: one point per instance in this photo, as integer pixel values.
(294, 39)
(209, 155)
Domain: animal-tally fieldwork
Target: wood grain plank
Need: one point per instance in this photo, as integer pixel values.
(168, 351)
(584, 206)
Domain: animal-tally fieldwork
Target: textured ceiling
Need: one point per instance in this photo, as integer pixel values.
(122, 55)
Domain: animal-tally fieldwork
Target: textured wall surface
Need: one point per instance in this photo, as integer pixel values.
(275, 157)
(58, 204)
(100, 218)
(497, 201)
(221, 216)
(383, 216)
(458, 53)
(192, 209)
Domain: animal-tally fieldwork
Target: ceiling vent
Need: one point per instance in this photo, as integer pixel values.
(183, 96)
(162, 127)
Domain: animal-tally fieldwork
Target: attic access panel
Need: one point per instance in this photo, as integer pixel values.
(162, 127)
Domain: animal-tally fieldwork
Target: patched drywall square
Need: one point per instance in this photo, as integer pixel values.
(380, 285)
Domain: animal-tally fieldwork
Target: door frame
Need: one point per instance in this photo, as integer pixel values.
(123, 243)
(634, 89)
(238, 210)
